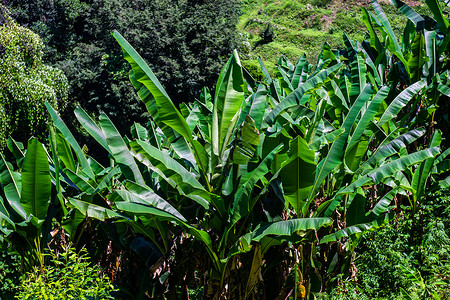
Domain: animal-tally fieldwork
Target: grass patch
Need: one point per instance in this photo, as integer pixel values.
(302, 26)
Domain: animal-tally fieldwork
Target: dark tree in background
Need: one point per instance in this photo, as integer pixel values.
(186, 43)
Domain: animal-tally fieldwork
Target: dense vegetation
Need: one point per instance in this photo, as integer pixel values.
(292, 28)
(185, 43)
(327, 180)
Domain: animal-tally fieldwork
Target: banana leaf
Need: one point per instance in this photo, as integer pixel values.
(297, 173)
(420, 177)
(94, 211)
(402, 163)
(36, 182)
(400, 101)
(391, 148)
(357, 229)
(58, 122)
(227, 102)
(12, 186)
(336, 152)
(170, 170)
(144, 195)
(165, 111)
(287, 228)
(243, 203)
(295, 98)
(120, 151)
(91, 127)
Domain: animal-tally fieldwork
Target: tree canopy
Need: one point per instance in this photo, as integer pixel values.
(185, 42)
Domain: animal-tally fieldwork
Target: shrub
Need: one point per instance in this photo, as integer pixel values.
(68, 276)
(25, 82)
(9, 275)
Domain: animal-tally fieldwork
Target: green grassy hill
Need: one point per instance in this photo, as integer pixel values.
(294, 27)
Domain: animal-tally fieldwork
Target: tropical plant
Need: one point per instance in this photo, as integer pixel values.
(25, 201)
(261, 182)
(273, 144)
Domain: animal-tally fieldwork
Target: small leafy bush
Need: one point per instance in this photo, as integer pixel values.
(406, 257)
(9, 274)
(68, 276)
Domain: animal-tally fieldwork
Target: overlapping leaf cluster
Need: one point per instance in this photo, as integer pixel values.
(260, 188)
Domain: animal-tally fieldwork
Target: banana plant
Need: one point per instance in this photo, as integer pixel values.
(360, 139)
(204, 176)
(26, 198)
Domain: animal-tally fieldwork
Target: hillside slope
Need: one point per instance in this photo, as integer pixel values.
(294, 27)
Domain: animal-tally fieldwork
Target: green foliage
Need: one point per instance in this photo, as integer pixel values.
(303, 26)
(186, 42)
(25, 83)
(9, 274)
(403, 258)
(68, 275)
(277, 180)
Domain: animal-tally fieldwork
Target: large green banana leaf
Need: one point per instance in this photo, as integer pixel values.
(36, 182)
(431, 53)
(137, 208)
(410, 13)
(83, 184)
(94, 211)
(391, 41)
(314, 129)
(385, 151)
(247, 139)
(16, 149)
(12, 186)
(297, 173)
(287, 228)
(422, 173)
(400, 101)
(243, 203)
(358, 70)
(402, 163)
(368, 115)
(418, 57)
(382, 204)
(106, 180)
(166, 111)
(258, 105)
(374, 40)
(356, 229)
(91, 127)
(120, 151)
(144, 195)
(4, 216)
(358, 143)
(58, 122)
(227, 102)
(377, 175)
(300, 72)
(53, 145)
(64, 152)
(170, 170)
(441, 20)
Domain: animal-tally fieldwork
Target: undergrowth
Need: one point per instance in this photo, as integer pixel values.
(407, 258)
